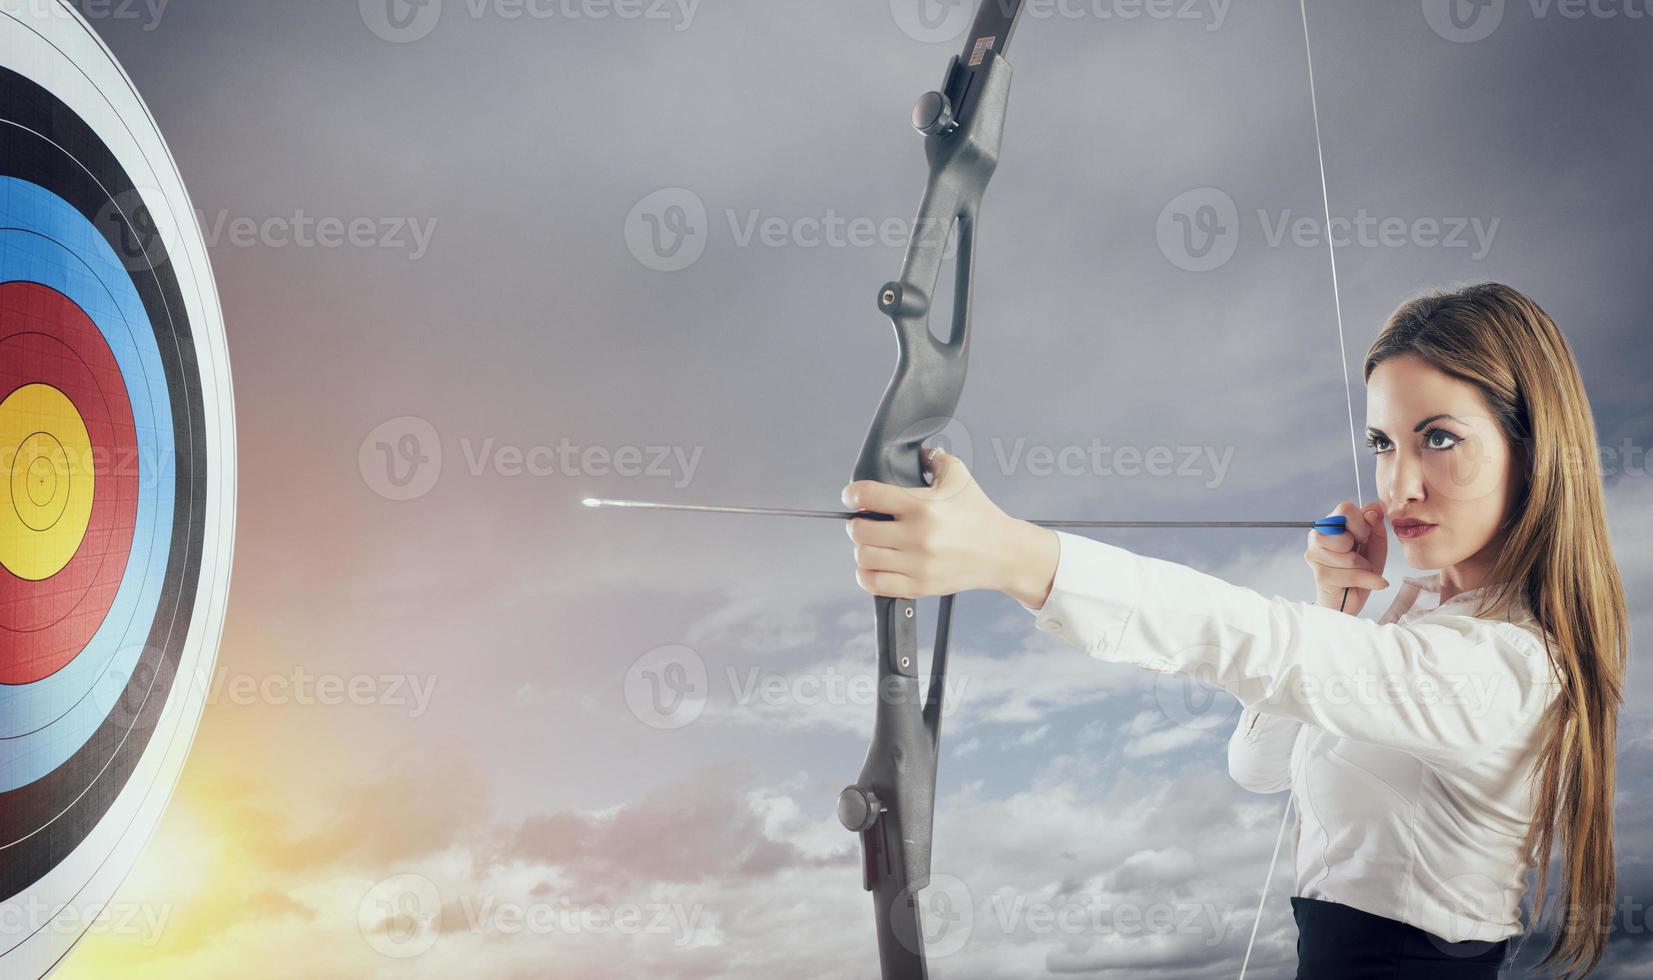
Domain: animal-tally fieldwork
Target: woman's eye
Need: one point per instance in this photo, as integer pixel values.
(1440, 439)
(1378, 444)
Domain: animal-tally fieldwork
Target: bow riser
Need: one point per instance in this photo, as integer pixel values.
(893, 804)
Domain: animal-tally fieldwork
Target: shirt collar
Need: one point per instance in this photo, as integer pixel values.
(1412, 586)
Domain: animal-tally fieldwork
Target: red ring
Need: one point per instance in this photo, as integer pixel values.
(46, 339)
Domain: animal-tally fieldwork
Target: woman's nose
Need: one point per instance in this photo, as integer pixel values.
(1405, 477)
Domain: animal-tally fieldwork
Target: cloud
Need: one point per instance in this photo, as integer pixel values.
(699, 828)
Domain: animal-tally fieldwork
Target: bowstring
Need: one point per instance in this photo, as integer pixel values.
(1349, 398)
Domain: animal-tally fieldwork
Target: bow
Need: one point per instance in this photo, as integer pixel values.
(892, 805)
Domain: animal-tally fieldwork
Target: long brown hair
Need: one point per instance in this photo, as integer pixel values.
(1557, 559)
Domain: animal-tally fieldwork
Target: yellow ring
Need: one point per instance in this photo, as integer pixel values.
(47, 454)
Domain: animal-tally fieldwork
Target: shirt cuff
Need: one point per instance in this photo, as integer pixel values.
(1092, 599)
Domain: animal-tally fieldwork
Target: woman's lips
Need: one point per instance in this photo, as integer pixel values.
(1408, 530)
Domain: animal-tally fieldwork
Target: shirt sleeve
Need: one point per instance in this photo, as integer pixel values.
(1259, 751)
(1446, 688)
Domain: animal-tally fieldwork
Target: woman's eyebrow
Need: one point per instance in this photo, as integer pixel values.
(1435, 418)
(1374, 430)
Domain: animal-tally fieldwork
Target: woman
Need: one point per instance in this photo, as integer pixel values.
(1435, 754)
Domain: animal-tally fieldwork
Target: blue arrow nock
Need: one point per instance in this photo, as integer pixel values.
(1332, 526)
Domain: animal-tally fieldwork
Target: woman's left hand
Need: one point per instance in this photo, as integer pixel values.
(947, 538)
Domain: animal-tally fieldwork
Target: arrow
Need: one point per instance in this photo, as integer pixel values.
(1325, 525)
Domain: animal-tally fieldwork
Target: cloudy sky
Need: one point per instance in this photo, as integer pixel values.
(482, 259)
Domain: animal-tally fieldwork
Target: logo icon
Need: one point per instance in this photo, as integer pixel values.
(667, 230)
(401, 21)
(1464, 21)
(1469, 900)
(121, 694)
(947, 915)
(1199, 231)
(1194, 702)
(932, 21)
(667, 687)
(136, 233)
(400, 917)
(401, 459)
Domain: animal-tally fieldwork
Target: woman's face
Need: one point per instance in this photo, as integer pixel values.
(1445, 472)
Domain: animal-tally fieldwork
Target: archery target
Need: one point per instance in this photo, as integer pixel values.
(117, 487)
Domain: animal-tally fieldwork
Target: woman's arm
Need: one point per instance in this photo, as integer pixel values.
(1446, 690)
(1259, 751)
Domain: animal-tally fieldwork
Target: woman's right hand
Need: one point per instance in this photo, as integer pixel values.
(1353, 561)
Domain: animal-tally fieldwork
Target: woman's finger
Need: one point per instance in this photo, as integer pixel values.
(874, 559)
(879, 534)
(1328, 579)
(1350, 541)
(888, 585)
(1355, 525)
(1377, 542)
(1333, 583)
(1334, 571)
(948, 474)
(1333, 559)
(872, 497)
(1333, 543)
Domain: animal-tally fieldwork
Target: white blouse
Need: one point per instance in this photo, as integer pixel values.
(1406, 742)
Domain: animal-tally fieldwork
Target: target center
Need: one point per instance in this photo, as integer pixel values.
(43, 475)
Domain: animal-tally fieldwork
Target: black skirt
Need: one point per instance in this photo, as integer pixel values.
(1336, 942)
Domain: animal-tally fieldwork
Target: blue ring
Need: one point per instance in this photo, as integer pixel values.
(43, 239)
